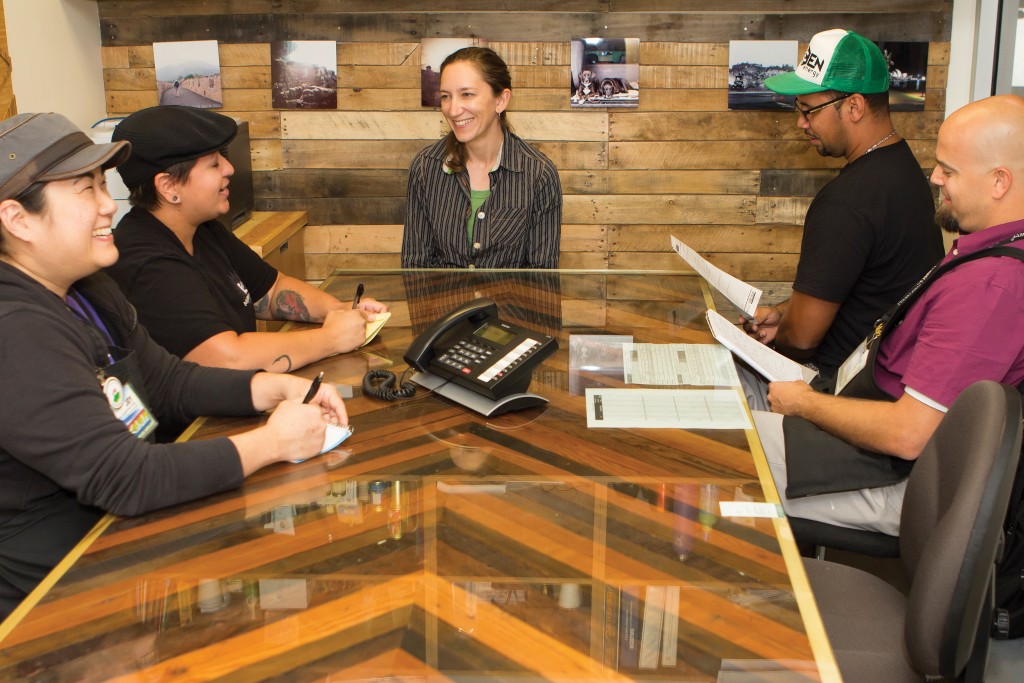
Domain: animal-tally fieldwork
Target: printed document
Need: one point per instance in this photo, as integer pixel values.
(666, 408)
(706, 365)
(735, 290)
(770, 363)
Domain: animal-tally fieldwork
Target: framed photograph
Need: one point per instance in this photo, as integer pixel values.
(908, 71)
(605, 73)
(750, 63)
(188, 73)
(304, 74)
(433, 52)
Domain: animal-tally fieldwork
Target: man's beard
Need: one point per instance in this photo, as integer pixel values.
(944, 219)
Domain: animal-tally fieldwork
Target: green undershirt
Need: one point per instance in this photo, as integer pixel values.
(476, 200)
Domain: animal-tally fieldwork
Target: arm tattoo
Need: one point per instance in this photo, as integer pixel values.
(261, 306)
(287, 360)
(290, 305)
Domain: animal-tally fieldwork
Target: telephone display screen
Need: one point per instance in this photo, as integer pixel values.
(495, 333)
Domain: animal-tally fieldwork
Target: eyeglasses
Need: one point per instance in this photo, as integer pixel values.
(806, 113)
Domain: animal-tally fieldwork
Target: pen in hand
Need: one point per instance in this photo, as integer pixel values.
(359, 295)
(313, 388)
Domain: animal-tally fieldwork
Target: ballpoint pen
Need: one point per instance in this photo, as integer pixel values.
(313, 388)
(359, 295)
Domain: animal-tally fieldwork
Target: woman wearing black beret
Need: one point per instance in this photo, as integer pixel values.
(197, 287)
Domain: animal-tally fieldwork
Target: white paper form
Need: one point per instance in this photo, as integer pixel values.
(735, 290)
(706, 365)
(666, 408)
(773, 365)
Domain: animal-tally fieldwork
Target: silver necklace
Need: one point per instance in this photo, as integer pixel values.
(873, 147)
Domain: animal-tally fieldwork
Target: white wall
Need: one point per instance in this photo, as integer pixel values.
(55, 57)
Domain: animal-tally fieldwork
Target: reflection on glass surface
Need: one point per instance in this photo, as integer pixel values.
(447, 546)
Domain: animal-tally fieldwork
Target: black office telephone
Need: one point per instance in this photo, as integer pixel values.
(473, 348)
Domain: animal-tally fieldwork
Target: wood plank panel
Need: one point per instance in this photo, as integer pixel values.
(785, 183)
(540, 76)
(113, 57)
(262, 124)
(665, 182)
(706, 238)
(773, 267)
(129, 79)
(678, 54)
(668, 209)
(321, 266)
(584, 260)
(706, 99)
(8, 107)
(128, 8)
(382, 99)
(305, 182)
(914, 26)
(532, 54)
(247, 99)
(338, 239)
(731, 125)
(425, 125)
(575, 155)
(266, 155)
(833, 6)
(235, 77)
(382, 154)
(716, 154)
(451, 6)
(539, 99)
(789, 210)
(140, 55)
(353, 239)
(356, 210)
(379, 54)
(672, 77)
(122, 102)
(353, 76)
(244, 54)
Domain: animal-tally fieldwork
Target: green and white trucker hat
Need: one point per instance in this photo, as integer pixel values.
(836, 59)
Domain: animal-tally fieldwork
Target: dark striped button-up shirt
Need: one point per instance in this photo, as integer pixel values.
(518, 226)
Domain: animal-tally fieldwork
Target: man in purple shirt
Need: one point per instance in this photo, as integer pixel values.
(967, 326)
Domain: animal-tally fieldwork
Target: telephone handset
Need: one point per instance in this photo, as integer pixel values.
(473, 348)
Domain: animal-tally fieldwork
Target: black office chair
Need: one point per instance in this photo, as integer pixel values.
(950, 532)
(821, 536)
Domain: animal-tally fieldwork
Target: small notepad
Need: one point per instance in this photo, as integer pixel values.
(333, 437)
(373, 326)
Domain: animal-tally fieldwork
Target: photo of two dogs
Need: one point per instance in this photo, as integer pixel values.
(591, 89)
(605, 72)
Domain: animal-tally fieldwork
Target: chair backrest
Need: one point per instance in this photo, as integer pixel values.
(954, 507)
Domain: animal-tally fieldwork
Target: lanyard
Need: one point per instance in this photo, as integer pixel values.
(84, 311)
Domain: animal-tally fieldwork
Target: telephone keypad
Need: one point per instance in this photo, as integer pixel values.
(465, 354)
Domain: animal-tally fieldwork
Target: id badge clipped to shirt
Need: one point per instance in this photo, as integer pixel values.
(129, 408)
(118, 381)
(852, 365)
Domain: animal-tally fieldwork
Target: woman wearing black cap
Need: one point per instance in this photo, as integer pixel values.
(84, 385)
(197, 287)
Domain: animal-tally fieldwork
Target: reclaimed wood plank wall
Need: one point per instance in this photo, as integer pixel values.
(8, 107)
(734, 185)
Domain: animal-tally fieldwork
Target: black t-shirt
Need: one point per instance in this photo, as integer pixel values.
(184, 299)
(869, 235)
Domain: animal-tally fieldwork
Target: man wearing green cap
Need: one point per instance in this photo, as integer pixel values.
(869, 234)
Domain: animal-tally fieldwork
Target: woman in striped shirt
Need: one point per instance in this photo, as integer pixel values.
(481, 197)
